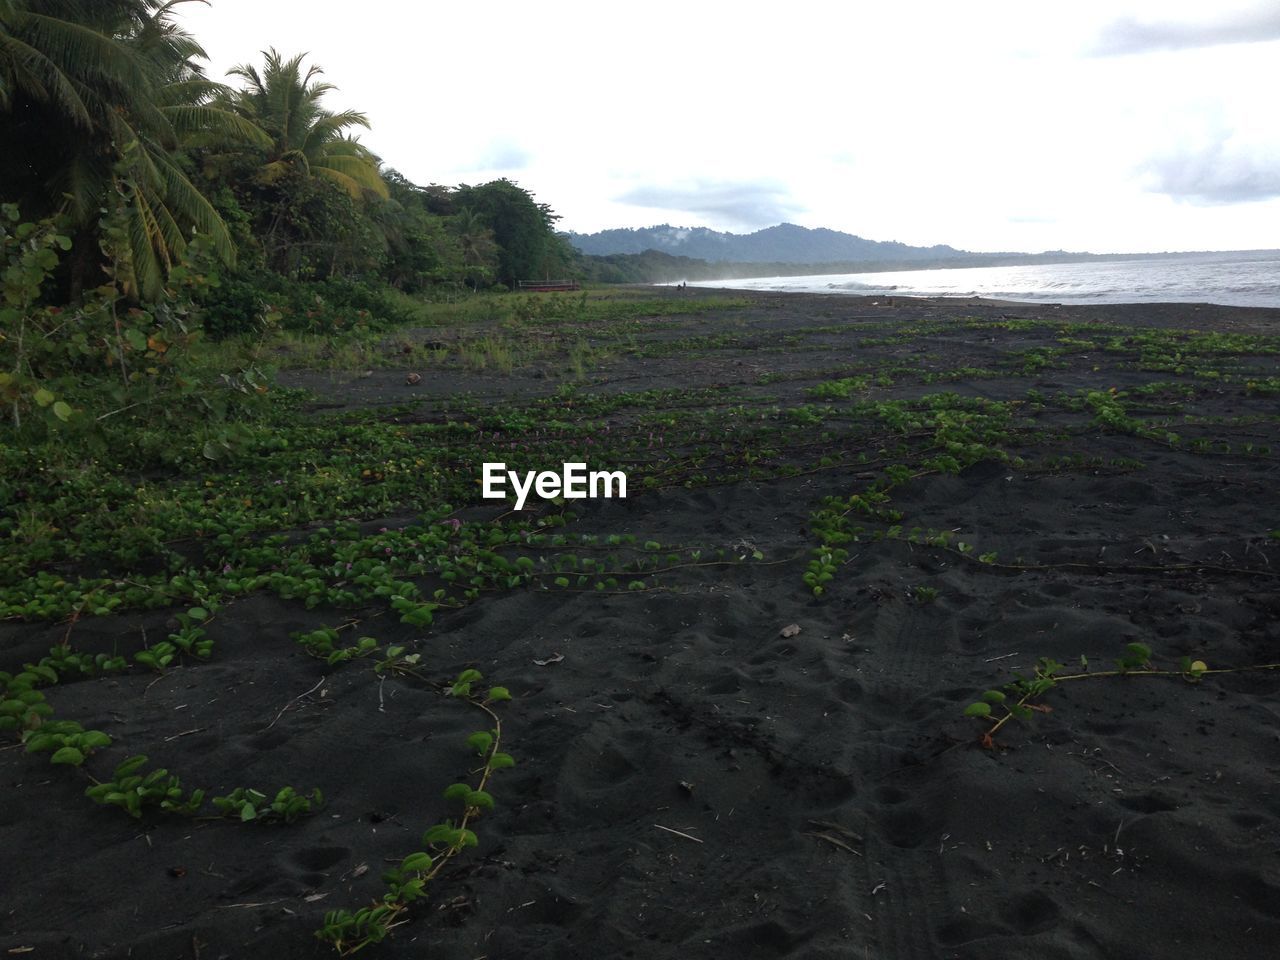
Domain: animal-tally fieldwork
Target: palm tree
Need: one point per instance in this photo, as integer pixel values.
(285, 102)
(477, 244)
(95, 98)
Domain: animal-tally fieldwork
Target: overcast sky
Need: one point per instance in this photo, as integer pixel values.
(1101, 125)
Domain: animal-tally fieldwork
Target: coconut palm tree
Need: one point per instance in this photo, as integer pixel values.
(476, 242)
(284, 100)
(95, 98)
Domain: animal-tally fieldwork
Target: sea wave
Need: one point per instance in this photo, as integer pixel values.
(1241, 279)
(864, 287)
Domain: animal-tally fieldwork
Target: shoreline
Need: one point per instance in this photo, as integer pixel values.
(1179, 281)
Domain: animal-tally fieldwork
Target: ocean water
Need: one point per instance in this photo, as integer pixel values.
(1238, 279)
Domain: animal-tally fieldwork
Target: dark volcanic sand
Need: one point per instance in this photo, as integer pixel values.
(1139, 819)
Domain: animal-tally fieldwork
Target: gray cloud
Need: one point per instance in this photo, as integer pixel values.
(1220, 173)
(741, 203)
(1128, 35)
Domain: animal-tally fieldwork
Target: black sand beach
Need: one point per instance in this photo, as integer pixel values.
(720, 764)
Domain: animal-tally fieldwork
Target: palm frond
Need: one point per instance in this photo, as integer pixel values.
(88, 53)
(329, 126)
(189, 121)
(356, 169)
(39, 77)
(352, 186)
(194, 91)
(137, 269)
(190, 205)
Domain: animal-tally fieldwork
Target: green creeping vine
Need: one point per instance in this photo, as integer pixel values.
(132, 790)
(406, 883)
(249, 804)
(24, 710)
(66, 741)
(946, 432)
(1018, 698)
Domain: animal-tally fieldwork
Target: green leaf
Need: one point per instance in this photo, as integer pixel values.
(440, 833)
(978, 710)
(498, 694)
(480, 742)
(68, 755)
(993, 696)
(136, 338)
(43, 397)
(418, 862)
(62, 411)
(198, 613)
(457, 791)
(40, 742)
(480, 799)
(501, 761)
(129, 766)
(247, 813)
(470, 676)
(1139, 652)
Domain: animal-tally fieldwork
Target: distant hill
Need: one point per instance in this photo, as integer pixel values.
(665, 254)
(785, 243)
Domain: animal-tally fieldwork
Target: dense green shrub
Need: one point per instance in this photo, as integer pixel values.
(238, 302)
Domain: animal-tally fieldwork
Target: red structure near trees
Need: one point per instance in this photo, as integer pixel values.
(546, 286)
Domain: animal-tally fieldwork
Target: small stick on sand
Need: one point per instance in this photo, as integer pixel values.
(185, 733)
(1005, 656)
(834, 841)
(677, 833)
(158, 678)
(833, 832)
(292, 702)
(249, 906)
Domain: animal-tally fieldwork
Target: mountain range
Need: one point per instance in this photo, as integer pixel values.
(784, 243)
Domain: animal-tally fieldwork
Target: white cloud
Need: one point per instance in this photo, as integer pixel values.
(1256, 23)
(503, 154)
(984, 126)
(1227, 171)
(735, 205)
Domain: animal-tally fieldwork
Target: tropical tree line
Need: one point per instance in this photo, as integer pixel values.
(114, 131)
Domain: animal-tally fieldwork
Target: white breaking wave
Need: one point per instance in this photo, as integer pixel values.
(1239, 279)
